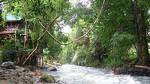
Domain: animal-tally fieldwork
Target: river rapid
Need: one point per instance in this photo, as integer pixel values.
(73, 74)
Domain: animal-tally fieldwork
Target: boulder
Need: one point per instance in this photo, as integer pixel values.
(21, 69)
(52, 69)
(8, 65)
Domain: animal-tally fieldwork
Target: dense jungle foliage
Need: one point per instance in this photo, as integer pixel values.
(108, 33)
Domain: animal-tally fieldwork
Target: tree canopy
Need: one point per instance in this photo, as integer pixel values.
(104, 33)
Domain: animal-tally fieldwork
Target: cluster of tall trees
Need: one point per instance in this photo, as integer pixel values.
(124, 24)
(107, 32)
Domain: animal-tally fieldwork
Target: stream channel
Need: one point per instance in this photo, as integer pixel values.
(73, 74)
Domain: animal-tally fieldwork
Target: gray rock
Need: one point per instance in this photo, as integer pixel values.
(20, 69)
(52, 69)
(8, 65)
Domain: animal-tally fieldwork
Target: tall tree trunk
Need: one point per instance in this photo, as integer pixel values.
(1, 19)
(142, 44)
(140, 29)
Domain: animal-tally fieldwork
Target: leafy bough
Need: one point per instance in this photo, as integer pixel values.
(90, 28)
(58, 41)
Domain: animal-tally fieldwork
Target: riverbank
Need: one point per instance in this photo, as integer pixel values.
(13, 74)
(136, 70)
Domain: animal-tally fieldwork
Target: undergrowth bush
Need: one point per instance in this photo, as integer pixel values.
(120, 44)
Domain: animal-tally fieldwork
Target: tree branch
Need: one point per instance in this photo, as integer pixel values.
(31, 54)
(91, 27)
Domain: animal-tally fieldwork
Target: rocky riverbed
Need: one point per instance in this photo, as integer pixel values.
(12, 74)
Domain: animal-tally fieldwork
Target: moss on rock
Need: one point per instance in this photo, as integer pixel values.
(47, 79)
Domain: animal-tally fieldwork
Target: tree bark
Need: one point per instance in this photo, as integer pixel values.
(140, 29)
(142, 40)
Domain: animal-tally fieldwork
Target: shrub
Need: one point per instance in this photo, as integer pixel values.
(47, 79)
(9, 55)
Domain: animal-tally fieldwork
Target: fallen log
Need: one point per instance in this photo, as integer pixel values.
(142, 67)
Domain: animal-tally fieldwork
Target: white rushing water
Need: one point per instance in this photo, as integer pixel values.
(73, 74)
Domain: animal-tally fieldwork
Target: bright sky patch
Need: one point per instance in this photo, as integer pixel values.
(86, 3)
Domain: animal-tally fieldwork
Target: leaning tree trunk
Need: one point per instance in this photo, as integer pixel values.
(140, 27)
